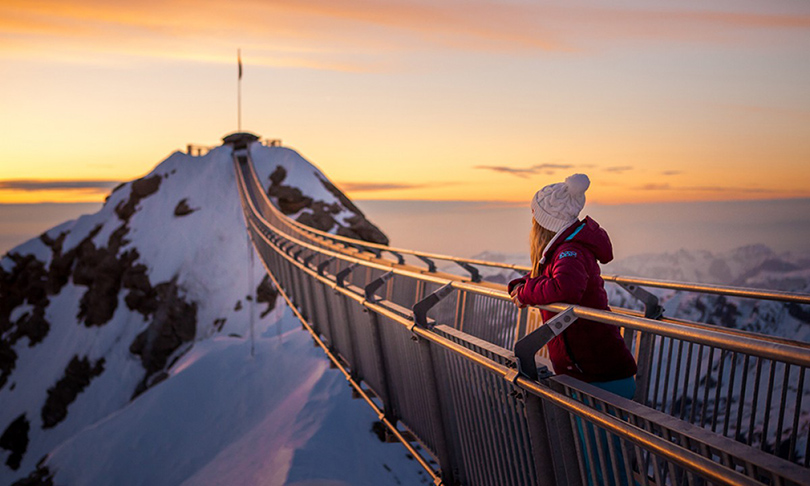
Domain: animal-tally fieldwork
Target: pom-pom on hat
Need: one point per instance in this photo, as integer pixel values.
(556, 206)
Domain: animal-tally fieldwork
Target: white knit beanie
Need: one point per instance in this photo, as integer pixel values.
(556, 206)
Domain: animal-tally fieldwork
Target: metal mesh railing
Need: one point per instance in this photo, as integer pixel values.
(452, 386)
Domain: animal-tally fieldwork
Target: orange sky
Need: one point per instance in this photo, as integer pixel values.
(487, 100)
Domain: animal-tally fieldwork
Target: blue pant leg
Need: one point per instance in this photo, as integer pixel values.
(625, 388)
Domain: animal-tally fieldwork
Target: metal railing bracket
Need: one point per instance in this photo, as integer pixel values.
(475, 275)
(322, 266)
(340, 278)
(529, 345)
(421, 308)
(430, 264)
(374, 285)
(652, 308)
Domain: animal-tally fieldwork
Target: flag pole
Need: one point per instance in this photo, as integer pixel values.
(239, 92)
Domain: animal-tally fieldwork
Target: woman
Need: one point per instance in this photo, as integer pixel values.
(565, 253)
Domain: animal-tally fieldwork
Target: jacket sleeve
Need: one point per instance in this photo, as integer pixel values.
(514, 283)
(567, 283)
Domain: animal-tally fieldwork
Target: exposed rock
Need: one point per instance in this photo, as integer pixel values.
(290, 200)
(141, 296)
(27, 282)
(33, 326)
(278, 176)
(15, 440)
(141, 188)
(116, 240)
(61, 264)
(347, 203)
(321, 217)
(8, 359)
(238, 306)
(361, 229)
(174, 322)
(101, 270)
(266, 293)
(183, 208)
(78, 375)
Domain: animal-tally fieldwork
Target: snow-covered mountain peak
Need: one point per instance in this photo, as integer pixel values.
(99, 310)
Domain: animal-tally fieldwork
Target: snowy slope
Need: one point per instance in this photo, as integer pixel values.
(125, 336)
(755, 266)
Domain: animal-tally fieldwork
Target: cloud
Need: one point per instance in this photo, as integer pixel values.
(524, 172)
(619, 168)
(671, 172)
(720, 189)
(32, 185)
(654, 187)
(383, 186)
(354, 35)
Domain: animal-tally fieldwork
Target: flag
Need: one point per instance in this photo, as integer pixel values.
(239, 59)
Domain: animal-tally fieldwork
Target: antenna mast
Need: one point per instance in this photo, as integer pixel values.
(239, 92)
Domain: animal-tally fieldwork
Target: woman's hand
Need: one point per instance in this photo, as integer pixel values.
(515, 298)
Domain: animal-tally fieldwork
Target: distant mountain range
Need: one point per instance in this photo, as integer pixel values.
(754, 266)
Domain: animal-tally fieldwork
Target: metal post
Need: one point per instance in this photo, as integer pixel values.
(437, 413)
(536, 416)
(239, 92)
(379, 358)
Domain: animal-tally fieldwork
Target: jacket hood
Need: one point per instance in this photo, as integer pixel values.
(589, 234)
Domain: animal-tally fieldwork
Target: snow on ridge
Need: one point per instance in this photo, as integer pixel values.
(226, 419)
(113, 289)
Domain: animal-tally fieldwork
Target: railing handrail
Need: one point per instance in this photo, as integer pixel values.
(744, 292)
(295, 249)
(796, 352)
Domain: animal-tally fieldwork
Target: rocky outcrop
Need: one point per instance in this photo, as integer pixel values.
(26, 283)
(174, 322)
(15, 440)
(182, 208)
(78, 375)
(345, 201)
(101, 270)
(361, 229)
(141, 297)
(141, 188)
(321, 215)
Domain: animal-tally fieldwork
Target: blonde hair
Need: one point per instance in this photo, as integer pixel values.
(538, 240)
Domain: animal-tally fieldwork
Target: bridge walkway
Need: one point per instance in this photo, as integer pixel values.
(438, 357)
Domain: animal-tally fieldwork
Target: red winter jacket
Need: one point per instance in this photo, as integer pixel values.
(587, 350)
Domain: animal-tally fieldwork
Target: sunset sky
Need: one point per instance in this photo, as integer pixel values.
(485, 100)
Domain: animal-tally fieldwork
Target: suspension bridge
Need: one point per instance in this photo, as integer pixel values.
(454, 370)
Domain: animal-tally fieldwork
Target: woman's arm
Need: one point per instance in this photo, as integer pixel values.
(516, 283)
(567, 283)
